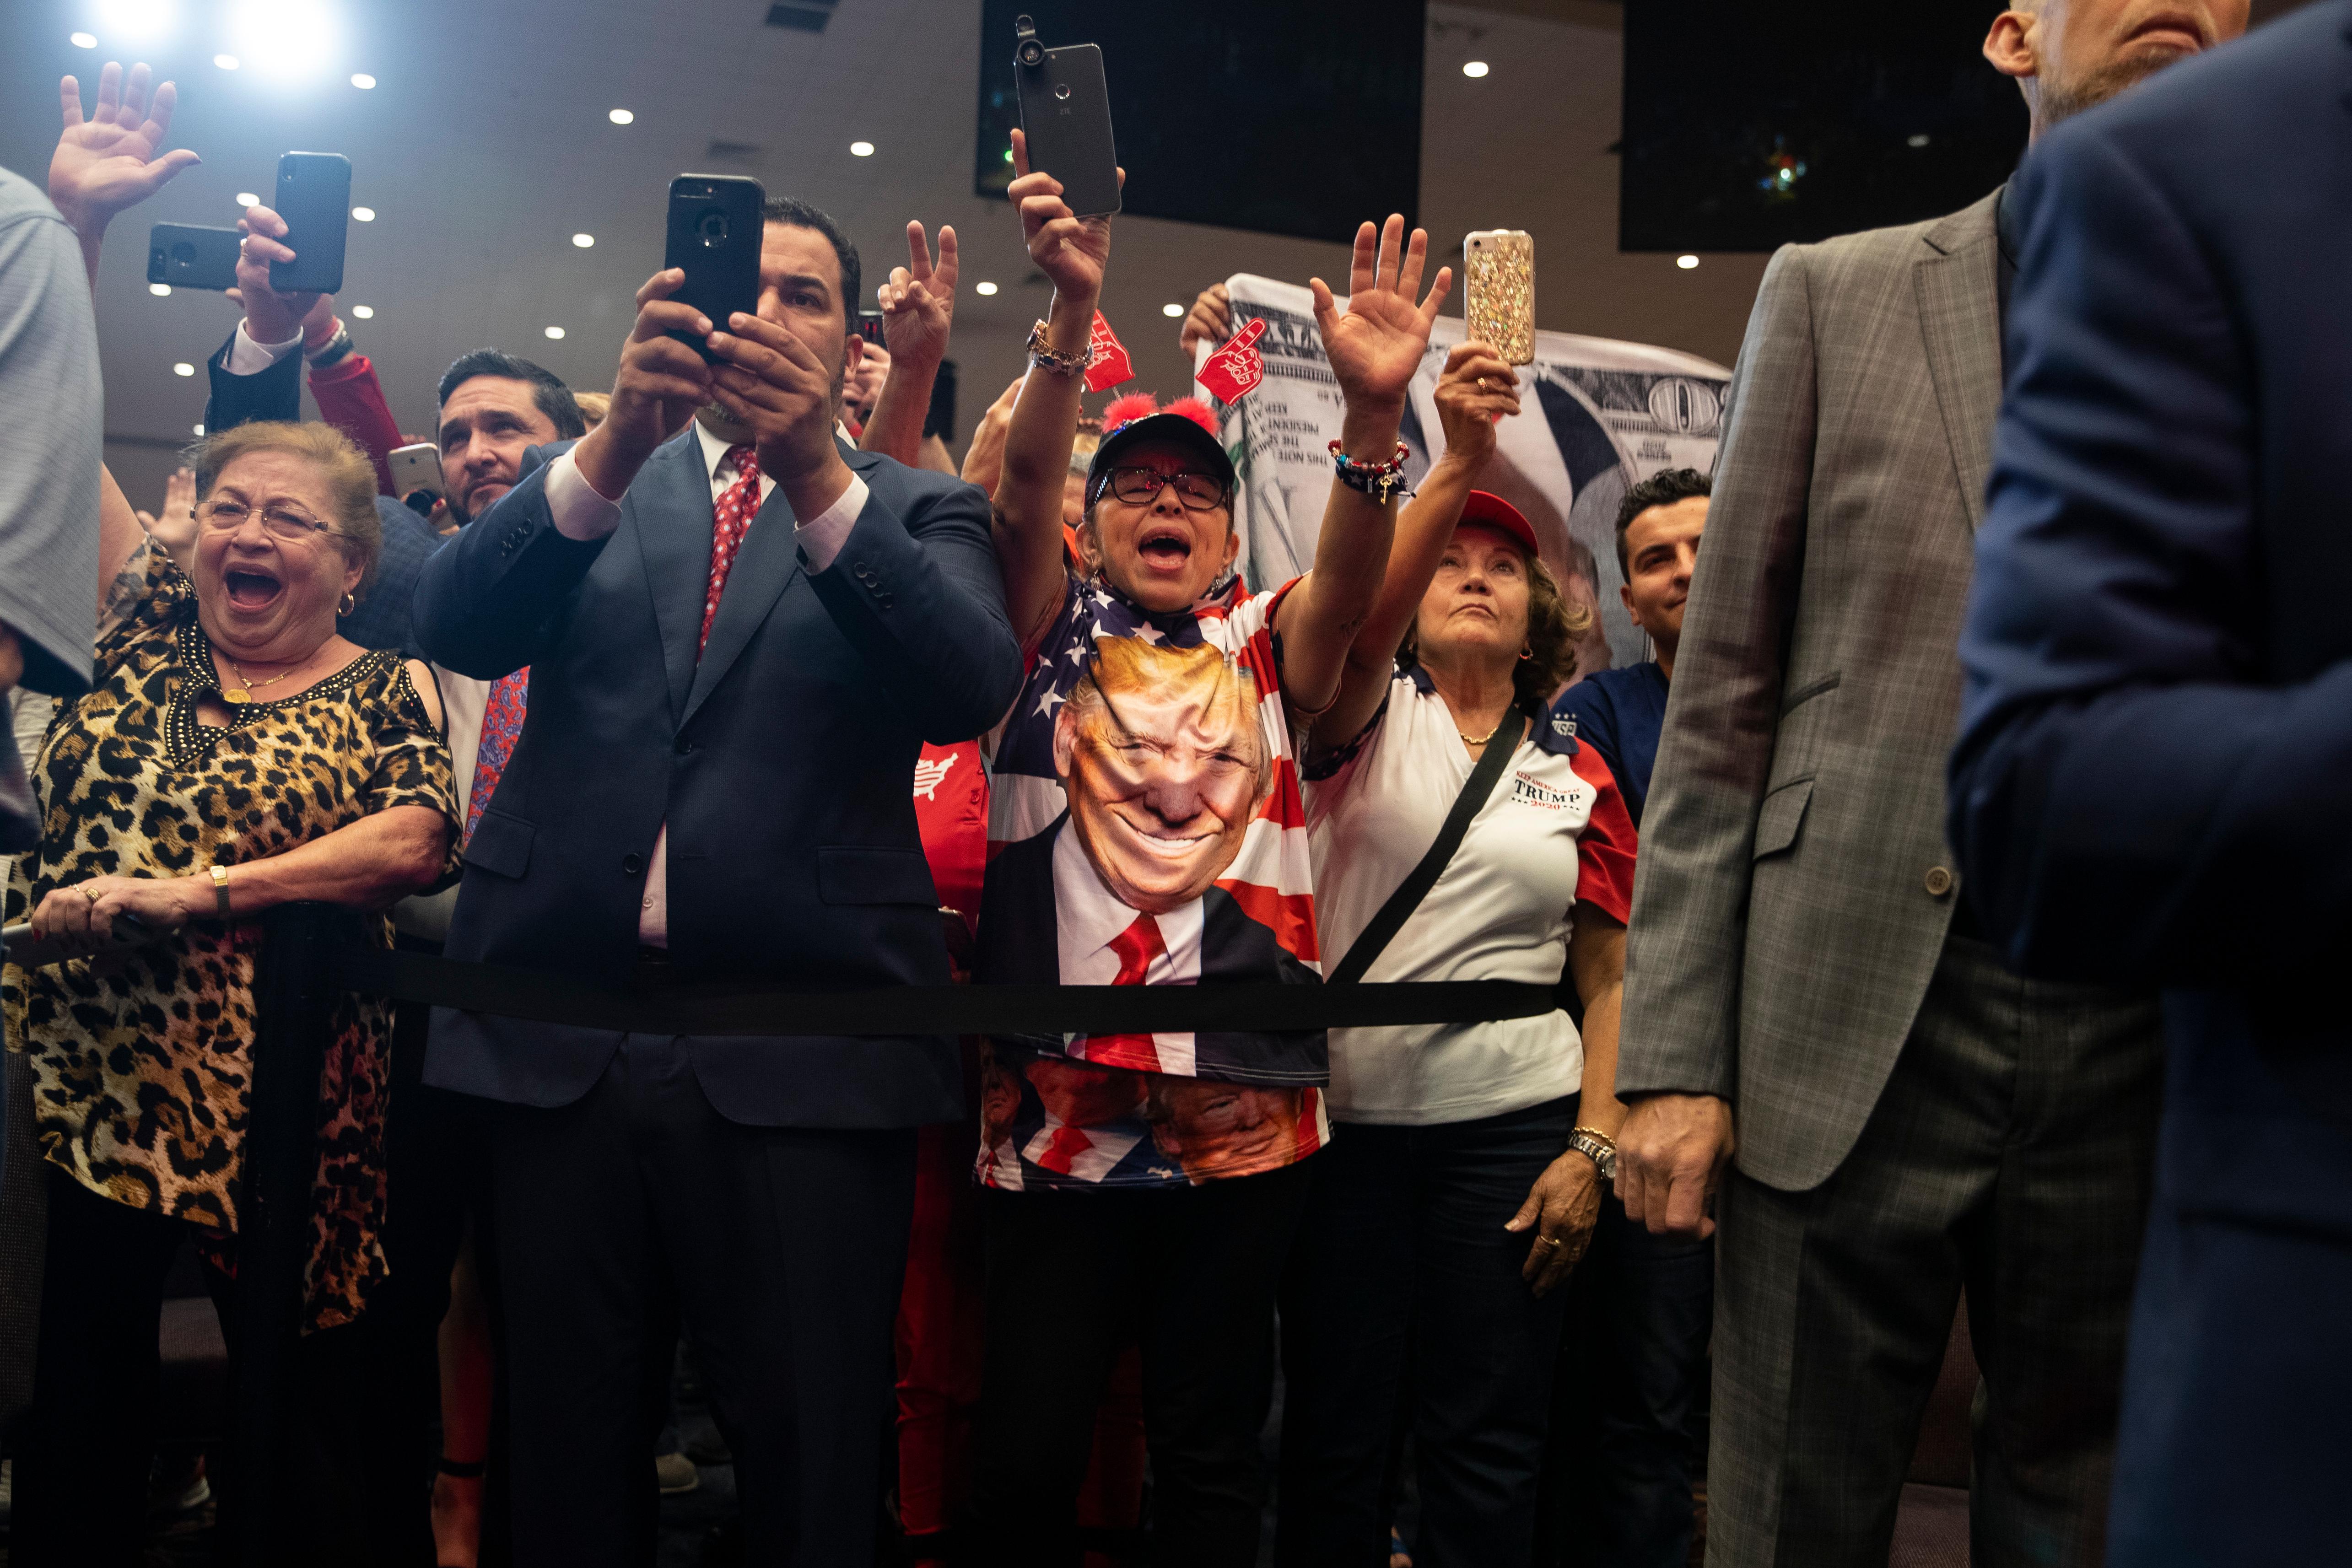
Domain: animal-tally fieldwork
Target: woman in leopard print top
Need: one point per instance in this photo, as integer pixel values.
(233, 754)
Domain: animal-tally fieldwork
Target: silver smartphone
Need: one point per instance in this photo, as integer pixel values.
(415, 468)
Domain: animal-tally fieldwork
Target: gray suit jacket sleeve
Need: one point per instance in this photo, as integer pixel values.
(1699, 832)
(52, 412)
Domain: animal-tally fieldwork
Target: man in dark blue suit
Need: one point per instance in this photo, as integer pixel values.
(738, 637)
(2154, 777)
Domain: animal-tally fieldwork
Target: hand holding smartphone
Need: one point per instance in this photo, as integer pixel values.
(189, 255)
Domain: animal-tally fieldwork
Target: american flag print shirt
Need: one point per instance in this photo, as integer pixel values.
(1175, 854)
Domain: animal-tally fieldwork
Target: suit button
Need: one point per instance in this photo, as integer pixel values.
(683, 746)
(886, 601)
(631, 865)
(1938, 879)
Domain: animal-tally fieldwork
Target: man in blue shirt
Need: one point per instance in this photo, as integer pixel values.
(1621, 711)
(1618, 1477)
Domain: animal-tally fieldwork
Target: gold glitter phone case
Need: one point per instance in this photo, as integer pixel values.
(1500, 297)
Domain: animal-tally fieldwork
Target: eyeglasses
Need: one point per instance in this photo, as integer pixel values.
(1138, 487)
(290, 524)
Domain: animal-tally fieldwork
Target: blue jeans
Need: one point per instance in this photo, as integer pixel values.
(1617, 1476)
(1402, 1309)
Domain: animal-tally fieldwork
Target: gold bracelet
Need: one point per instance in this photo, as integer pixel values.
(220, 889)
(1047, 357)
(1597, 1133)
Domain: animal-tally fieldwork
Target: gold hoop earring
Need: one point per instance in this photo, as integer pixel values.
(1528, 653)
(351, 602)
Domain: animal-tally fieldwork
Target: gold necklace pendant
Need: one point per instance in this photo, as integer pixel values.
(237, 694)
(1482, 739)
(243, 691)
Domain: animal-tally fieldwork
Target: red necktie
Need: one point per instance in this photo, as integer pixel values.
(501, 727)
(731, 519)
(1136, 947)
(1062, 1151)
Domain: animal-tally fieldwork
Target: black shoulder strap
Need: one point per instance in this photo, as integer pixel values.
(1415, 887)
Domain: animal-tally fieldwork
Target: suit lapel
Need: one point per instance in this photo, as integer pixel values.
(1959, 315)
(670, 506)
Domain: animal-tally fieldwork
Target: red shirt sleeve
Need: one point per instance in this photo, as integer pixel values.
(1606, 849)
(351, 398)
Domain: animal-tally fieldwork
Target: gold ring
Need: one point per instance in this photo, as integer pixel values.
(86, 891)
(1546, 1242)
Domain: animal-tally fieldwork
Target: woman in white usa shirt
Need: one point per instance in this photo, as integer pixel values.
(1464, 1173)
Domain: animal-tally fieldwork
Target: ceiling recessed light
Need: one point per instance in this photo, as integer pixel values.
(861, 150)
(82, 40)
(1686, 262)
(364, 312)
(555, 331)
(159, 289)
(583, 241)
(290, 39)
(200, 429)
(1171, 309)
(141, 19)
(983, 288)
(620, 117)
(183, 369)
(225, 62)
(1473, 68)
(362, 81)
(1918, 141)
(363, 215)
(247, 199)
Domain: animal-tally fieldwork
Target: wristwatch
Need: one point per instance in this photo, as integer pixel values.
(220, 889)
(333, 351)
(1597, 1146)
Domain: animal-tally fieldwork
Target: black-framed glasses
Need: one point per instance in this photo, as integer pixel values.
(285, 522)
(1140, 487)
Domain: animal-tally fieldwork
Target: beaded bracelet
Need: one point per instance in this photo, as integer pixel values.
(1378, 480)
(1047, 357)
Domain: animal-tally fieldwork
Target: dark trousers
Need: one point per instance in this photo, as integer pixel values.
(1618, 1462)
(2012, 1150)
(1189, 1275)
(1402, 1306)
(783, 1247)
(81, 1472)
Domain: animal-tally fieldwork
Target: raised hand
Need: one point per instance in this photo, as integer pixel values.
(1476, 389)
(107, 161)
(1211, 319)
(175, 527)
(774, 385)
(270, 317)
(1071, 251)
(919, 300)
(1375, 347)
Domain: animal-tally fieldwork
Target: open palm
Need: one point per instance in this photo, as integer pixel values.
(1377, 345)
(109, 161)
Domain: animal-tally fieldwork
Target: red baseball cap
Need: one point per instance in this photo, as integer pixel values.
(1493, 512)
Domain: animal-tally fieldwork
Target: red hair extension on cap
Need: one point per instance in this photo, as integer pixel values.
(1196, 411)
(1127, 409)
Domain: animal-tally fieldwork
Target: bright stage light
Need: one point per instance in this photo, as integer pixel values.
(286, 39)
(138, 20)
(225, 62)
(362, 81)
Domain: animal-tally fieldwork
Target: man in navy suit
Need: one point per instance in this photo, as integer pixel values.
(740, 632)
(2154, 777)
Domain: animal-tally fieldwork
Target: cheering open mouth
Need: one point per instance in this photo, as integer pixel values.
(251, 587)
(1167, 549)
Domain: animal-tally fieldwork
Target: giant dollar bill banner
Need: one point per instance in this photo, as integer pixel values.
(1597, 416)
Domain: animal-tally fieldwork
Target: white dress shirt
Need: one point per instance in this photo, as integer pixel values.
(579, 513)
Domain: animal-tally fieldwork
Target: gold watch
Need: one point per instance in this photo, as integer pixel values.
(220, 889)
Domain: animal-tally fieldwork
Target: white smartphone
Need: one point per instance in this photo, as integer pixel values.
(415, 468)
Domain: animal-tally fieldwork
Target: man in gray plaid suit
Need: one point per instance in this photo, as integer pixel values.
(1910, 1117)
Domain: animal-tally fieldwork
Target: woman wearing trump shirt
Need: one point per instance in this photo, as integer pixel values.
(1464, 1186)
(1146, 828)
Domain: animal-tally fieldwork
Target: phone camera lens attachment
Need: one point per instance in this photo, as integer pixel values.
(1032, 52)
(713, 228)
(184, 252)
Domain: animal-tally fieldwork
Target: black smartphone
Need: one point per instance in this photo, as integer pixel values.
(1065, 114)
(869, 327)
(314, 197)
(187, 255)
(714, 235)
